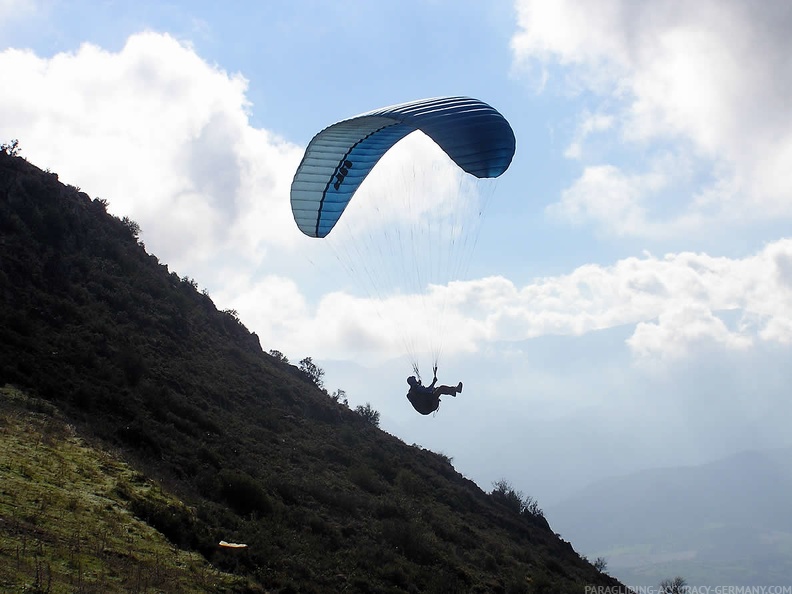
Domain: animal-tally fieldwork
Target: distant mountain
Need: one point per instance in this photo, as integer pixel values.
(103, 348)
(726, 522)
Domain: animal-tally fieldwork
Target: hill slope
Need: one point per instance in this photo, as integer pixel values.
(67, 523)
(139, 361)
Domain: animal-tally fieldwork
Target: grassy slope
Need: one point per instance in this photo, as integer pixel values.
(65, 522)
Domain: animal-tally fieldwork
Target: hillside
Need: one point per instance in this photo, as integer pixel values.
(68, 522)
(728, 521)
(98, 333)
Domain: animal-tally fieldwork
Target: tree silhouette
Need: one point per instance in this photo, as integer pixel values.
(312, 371)
(368, 413)
(678, 585)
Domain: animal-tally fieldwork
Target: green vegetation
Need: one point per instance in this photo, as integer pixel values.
(68, 522)
(226, 441)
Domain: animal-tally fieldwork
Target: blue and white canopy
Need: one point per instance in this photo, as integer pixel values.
(473, 134)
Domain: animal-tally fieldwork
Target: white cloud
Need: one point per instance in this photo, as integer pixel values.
(590, 124)
(712, 77)
(570, 31)
(164, 137)
(674, 303)
(604, 193)
(678, 331)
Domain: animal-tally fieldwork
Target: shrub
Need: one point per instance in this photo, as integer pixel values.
(132, 365)
(521, 504)
(366, 479)
(312, 372)
(445, 457)
(678, 585)
(410, 539)
(175, 521)
(243, 493)
(279, 356)
(340, 397)
(190, 281)
(410, 484)
(368, 413)
(132, 227)
(531, 507)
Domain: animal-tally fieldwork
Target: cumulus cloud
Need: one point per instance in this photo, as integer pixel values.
(604, 193)
(672, 299)
(164, 137)
(590, 124)
(675, 305)
(712, 78)
(679, 330)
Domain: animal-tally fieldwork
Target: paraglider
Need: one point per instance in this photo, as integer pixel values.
(475, 136)
(426, 399)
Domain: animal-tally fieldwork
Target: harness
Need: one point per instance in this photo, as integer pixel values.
(424, 402)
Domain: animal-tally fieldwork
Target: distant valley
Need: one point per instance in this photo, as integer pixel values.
(725, 522)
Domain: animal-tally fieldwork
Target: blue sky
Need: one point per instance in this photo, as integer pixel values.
(628, 304)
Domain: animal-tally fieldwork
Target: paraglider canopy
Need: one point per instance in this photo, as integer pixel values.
(337, 160)
(423, 230)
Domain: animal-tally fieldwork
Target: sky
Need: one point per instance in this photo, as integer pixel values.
(628, 303)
